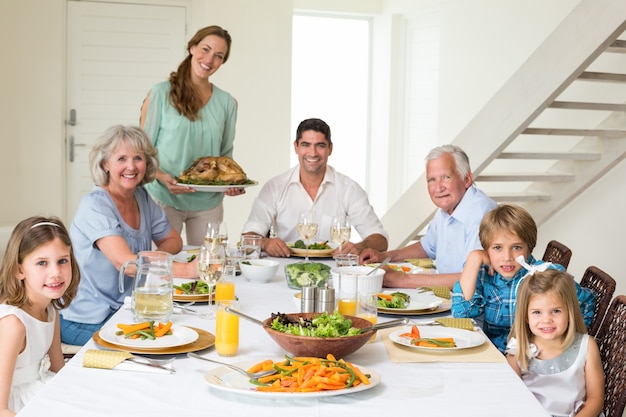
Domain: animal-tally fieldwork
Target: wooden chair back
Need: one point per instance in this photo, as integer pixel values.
(557, 253)
(611, 340)
(603, 286)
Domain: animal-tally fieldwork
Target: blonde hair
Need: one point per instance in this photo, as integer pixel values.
(510, 218)
(27, 236)
(555, 282)
(114, 137)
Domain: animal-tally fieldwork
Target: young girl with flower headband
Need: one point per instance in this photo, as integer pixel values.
(39, 276)
(491, 277)
(550, 350)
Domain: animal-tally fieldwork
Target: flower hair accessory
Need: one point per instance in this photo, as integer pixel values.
(533, 268)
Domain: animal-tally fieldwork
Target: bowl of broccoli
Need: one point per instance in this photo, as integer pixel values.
(302, 274)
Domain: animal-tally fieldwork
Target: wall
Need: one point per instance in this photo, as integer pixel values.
(484, 41)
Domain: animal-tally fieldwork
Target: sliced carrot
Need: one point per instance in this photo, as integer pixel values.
(164, 329)
(129, 328)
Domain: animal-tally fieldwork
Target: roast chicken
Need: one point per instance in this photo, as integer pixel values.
(214, 170)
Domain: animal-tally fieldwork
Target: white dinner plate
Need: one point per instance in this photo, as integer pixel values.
(313, 253)
(181, 335)
(225, 379)
(463, 339)
(188, 297)
(217, 188)
(419, 302)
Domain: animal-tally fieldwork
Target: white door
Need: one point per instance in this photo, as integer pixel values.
(115, 53)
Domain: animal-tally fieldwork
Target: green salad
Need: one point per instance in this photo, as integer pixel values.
(394, 300)
(192, 287)
(324, 325)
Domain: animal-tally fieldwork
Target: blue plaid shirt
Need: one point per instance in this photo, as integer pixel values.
(496, 297)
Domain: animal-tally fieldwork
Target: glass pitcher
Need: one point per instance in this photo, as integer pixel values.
(152, 289)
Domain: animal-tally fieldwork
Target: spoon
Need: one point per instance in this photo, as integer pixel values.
(378, 266)
(245, 316)
(251, 375)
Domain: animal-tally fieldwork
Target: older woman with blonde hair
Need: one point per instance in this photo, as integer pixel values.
(114, 222)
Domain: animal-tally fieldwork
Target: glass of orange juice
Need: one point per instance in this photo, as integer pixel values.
(367, 308)
(226, 329)
(347, 290)
(225, 287)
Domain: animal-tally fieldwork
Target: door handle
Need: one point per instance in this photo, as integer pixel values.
(72, 145)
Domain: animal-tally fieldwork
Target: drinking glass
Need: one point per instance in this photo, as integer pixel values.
(210, 264)
(307, 230)
(212, 233)
(348, 290)
(226, 329)
(234, 254)
(222, 234)
(251, 245)
(225, 287)
(367, 308)
(340, 229)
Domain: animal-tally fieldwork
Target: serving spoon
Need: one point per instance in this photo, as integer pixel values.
(251, 375)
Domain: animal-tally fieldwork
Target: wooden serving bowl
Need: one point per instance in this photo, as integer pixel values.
(319, 347)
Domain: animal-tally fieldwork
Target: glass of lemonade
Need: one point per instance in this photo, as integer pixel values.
(367, 308)
(226, 329)
(347, 290)
(225, 287)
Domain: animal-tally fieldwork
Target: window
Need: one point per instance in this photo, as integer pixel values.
(330, 81)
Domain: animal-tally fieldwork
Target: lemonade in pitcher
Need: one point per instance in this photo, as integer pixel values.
(152, 304)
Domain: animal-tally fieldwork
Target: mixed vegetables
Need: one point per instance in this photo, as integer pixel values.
(323, 325)
(192, 288)
(308, 375)
(145, 330)
(394, 300)
(299, 244)
(435, 342)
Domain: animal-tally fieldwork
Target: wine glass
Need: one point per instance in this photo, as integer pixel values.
(212, 233)
(210, 264)
(307, 230)
(222, 234)
(340, 229)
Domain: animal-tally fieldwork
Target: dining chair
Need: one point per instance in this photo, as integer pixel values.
(611, 340)
(603, 286)
(557, 253)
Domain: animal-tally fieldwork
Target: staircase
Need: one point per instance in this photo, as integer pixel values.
(556, 127)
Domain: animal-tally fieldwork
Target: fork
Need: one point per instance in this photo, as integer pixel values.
(251, 375)
(155, 363)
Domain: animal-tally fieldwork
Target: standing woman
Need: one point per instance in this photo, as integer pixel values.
(114, 222)
(188, 117)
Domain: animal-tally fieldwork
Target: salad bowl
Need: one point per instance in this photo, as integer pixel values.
(319, 347)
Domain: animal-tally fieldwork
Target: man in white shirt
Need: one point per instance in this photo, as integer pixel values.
(453, 232)
(313, 186)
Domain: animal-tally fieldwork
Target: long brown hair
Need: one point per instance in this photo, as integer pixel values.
(27, 236)
(561, 284)
(183, 95)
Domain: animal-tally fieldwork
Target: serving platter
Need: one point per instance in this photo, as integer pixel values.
(464, 339)
(217, 188)
(225, 379)
(420, 301)
(205, 340)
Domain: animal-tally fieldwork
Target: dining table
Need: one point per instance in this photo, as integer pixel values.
(414, 383)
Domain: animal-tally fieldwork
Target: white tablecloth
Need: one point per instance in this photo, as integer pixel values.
(454, 389)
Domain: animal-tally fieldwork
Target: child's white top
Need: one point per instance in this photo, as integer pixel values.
(559, 383)
(33, 364)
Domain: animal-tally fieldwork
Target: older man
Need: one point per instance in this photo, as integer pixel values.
(313, 186)
(453, 233)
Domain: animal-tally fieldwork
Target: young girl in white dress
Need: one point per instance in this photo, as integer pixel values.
(550, 349)
(39, 276)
